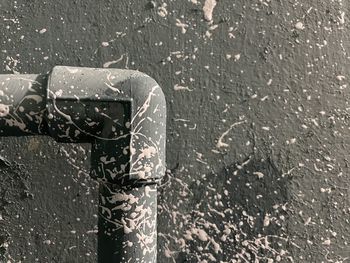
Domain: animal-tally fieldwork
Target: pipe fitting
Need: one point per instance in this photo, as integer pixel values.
(123, 114)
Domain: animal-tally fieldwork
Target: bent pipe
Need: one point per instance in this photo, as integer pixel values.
(123, 114)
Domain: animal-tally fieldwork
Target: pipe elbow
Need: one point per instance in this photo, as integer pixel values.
(123, 114)
(148, 129)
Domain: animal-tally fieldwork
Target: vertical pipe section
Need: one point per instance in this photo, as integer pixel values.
(127, 224)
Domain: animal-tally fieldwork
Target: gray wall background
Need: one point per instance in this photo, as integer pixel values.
(258, 128)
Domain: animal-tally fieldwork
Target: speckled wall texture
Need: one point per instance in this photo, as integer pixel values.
(258, 127)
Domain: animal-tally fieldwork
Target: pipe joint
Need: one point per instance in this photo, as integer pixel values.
(121, 112)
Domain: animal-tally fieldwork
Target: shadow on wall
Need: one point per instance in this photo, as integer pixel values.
(239, 215)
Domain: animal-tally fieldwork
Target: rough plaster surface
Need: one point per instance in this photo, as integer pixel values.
(257, 130)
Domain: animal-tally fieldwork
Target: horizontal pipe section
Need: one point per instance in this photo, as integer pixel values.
(23, 105)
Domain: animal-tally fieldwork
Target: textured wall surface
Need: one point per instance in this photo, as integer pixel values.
(258, 127)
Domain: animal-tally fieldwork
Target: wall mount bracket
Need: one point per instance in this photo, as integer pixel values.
(123, 114)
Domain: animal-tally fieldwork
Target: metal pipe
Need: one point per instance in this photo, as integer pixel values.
(123, 114)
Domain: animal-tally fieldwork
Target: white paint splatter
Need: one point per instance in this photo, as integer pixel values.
(340, 77)
(299, 26)
(267, 220)
(259, 174)
(327, 242)
(182, 25)
(208, 9)
(220, 143)
(4, 110)
(342, 18)
(307, 221)
(162, 11)
(112, 62)
(47, 242)
(179, 87)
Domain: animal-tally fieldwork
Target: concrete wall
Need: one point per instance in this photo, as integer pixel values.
(258, 127)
